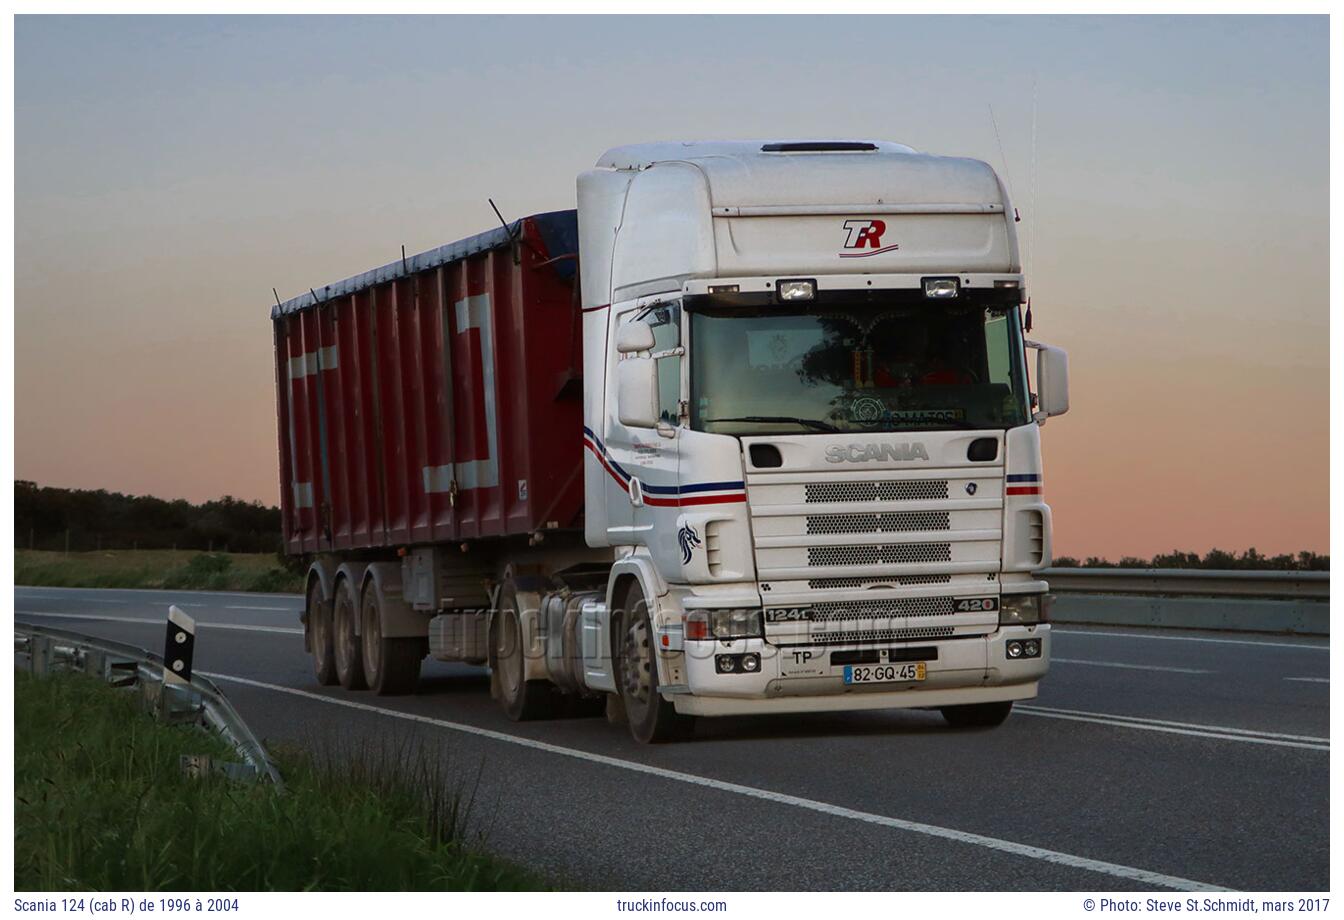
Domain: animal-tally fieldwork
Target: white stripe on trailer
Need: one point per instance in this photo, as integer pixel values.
(303, 495)
(310, 362)
(483, 473)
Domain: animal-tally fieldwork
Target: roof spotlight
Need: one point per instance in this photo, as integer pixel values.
(941, 288)
(795, 289)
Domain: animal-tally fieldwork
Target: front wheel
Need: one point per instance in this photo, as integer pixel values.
(977, 715)
(651, 718)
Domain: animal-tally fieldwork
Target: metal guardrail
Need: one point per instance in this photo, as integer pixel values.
(1190, 582)
(198, 700)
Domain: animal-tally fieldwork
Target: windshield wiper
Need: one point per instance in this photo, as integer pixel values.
(814, 424)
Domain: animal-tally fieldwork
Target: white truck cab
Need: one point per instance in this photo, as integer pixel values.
(810, 440)
(810, 461)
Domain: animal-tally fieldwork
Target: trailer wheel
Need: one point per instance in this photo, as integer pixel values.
(319, 636)
(978, 715)
(651, 718)
(391, 666)
(523, 699)
(349, 667)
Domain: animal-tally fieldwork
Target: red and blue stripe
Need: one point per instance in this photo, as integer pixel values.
(678, 496)
(1024, 484)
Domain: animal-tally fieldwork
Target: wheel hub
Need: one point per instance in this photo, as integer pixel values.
(637, 674)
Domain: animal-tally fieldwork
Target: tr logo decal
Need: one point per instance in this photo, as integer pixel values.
(688, 540)
(864, 238)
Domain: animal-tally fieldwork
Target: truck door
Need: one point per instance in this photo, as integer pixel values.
(646, 459)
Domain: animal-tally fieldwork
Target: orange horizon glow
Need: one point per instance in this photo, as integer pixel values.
(170, 171)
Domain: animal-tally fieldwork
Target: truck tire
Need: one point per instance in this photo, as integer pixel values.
(391, 666)
(651, 718)
(978, 715)
(345, 644)
(524, 700)
(319, 636)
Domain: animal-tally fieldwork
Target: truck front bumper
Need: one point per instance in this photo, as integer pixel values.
(803, 679)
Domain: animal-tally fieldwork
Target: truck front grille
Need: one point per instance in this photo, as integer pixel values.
(901, 490)
(885, 522)
(877, 555)
(889, 607)
(836, 584)
(890, 554)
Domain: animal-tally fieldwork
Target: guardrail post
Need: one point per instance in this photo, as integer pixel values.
(178, 646)
(177, 699)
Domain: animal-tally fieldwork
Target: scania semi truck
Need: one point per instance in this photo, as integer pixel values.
(750, 431)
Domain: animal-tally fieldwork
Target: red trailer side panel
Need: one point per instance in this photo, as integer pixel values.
(434, 400)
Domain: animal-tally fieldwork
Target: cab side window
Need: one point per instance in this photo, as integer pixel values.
(665, 320)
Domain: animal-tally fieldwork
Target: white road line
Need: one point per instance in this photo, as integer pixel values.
(1218, 732)
(1310, 680)
(65, 597)
(1121, 635)
(94, 616)
(1143, 876)
(280, 609)
(1132, 667)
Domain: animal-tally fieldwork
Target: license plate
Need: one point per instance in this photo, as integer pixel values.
(885, 673)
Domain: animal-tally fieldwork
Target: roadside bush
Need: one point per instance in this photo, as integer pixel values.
(203, 572)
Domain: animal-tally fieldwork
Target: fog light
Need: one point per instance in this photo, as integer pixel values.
(751, 663)
(1032, 648)
(724, 664)
(941, 288)
(1014, 649)
(798, 289)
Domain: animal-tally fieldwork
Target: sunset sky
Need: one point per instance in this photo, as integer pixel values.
(171, 171)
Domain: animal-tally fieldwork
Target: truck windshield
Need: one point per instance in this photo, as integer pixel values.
(768, 370)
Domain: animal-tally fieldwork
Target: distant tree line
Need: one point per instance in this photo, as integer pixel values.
(83, 520)
(1304, 561)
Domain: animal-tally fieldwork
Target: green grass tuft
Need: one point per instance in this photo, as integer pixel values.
(181, 570)
(101, 804)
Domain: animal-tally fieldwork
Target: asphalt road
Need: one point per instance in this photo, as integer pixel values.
(1152, 759)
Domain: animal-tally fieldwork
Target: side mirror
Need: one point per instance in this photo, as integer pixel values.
(637, 390)
(634, 337)
(1052, 380)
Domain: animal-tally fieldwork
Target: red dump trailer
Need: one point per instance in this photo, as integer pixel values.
(436, 399)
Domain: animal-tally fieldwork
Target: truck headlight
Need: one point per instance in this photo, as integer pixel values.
(1024, 609)
(735, 624)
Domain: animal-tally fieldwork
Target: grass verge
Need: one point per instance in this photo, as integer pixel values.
(101, 803)
(183, 570)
